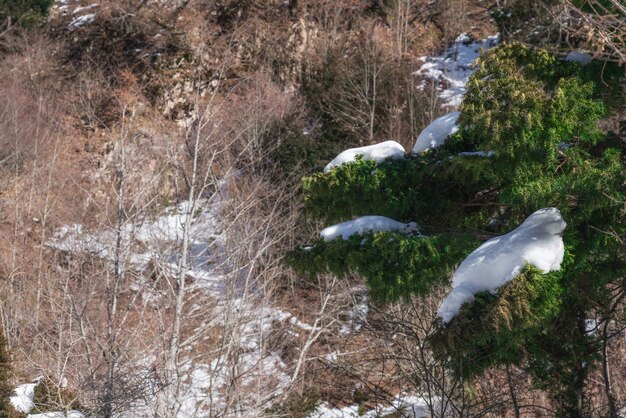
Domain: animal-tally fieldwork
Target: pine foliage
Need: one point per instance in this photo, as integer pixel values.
(496, 329)
(390, 261)
(26, 13)
(6, 391)
(538, 116)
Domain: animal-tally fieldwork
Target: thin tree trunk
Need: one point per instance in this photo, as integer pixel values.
(606, 372)
(509, 379)
(181, 272)
(111, 355)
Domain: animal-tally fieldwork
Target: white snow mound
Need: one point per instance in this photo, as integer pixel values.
(537, 241)
(366, 224)
(376, 152)
(435, 134)
(23, 400)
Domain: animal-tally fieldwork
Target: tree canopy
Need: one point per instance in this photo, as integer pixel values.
(22, 12)
(535, 119)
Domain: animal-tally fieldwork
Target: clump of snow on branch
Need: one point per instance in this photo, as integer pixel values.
(435, 134)
(450, 71)
(366, 224)
(591, 326)
(376, 152)
(537, 241)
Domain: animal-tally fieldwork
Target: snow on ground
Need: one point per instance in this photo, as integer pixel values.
(537, 241)
(60, 414)
(23, 400)
(146, 241)
(450, 71)
(435, 134)
(403, 406)
(61, 5)
(63, 8)
(262, 321)
(258, 373)
(357, 314)
(332, 357)
(364, 224)
(198, 384)
(83, 8)
(580, 57)
(82, 21)
(376, 152)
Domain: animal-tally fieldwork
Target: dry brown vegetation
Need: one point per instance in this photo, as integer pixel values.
(206, 102)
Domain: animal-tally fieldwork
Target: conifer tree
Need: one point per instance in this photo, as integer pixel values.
(5, 373)
(24, 13)
(535, 119)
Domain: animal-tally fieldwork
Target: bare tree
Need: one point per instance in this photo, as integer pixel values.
(602, 25)
(221, 167)
(355, 99)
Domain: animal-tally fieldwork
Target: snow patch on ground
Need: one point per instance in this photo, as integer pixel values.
(402, 406)
(146, 242)
(204, 386)
(198, 382)
(59, 414)
(83, 8)
(23, 400)
(366, 224)
(450, 71)
(259, 375)
(376, 152)
(82, 21)
(435, 134)
(332, 357)
(149, 241)
(537, 241)
(357, 314)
